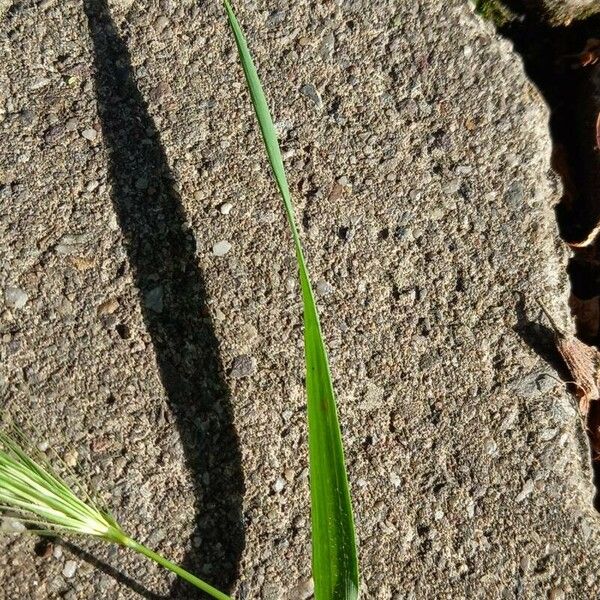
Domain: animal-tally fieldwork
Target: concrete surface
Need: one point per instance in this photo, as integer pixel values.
(418, 153)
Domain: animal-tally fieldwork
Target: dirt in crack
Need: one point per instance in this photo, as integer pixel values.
(564, 64)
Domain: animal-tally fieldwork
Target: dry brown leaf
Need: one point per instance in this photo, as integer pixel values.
(583, 362)
(590, 55)
(588, 240)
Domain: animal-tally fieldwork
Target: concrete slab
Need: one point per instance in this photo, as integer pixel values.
(418, 154)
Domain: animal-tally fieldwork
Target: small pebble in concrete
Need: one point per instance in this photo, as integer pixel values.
(515, 194)
(279, 485)
(526, 491)
(323, 288)
(69, 569)
(39, 82)
(160, 24)
(436, 214)
(243, 366)
(154, 299)
(327, 46)
(303, 590)
(451, 187)
(71, 125)
(490, 446)
(221, 248)
(108, 307)
(276, 17)
(15, 297)
(157, 536)
(395, 480)
(548, 434)
(71, 458)
(89, 134)
(225, 208)
(160, 91)
(27, 116)
(557, 594)
(11, 525)
(310, 91)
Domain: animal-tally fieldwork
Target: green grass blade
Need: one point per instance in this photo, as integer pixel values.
(335, 564)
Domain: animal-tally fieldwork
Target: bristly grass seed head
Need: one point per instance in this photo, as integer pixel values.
(36, 497)
(32, 493)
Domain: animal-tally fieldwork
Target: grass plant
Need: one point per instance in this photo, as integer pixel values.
(334, 560)
(36, 496)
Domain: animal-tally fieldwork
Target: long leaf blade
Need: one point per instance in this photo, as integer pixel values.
(334, 561)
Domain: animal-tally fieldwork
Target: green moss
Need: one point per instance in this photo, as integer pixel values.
(495, 11)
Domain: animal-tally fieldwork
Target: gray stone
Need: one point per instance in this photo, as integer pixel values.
(69, 569)
(515, 194)
(11, 525)
(27, 116)
(276, 17)
(243, 366)
(557, 593)
(39, 82)
(15, 297)
(452, 186)
(323, 288)
(310, 91)
(221, 248)
(525, 491)
(161, 23)
(153, 299)
(71, 124)
(225, 208)
(89, 134)
(279, 485)
(327, 45)
(302, 591)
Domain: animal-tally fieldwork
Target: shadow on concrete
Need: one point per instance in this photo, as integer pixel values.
(172, 294)
(540, 338)
(555, 61)
(564, 65)
(103, 566)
